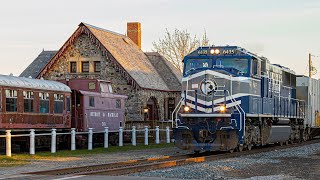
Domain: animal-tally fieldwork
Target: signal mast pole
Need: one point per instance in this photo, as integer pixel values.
(310, 65)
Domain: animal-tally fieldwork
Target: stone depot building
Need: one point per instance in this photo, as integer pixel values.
(151, 83)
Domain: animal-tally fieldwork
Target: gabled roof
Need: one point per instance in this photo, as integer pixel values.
(130, 57)
(170, 74)
(131, 61)
(22, 82)
(36, 66)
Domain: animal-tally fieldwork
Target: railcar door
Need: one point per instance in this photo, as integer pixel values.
(77, 111)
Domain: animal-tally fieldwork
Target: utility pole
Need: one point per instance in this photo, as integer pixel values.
(310, 65)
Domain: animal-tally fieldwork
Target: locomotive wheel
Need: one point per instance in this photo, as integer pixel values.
(240, 148)
(286, 143)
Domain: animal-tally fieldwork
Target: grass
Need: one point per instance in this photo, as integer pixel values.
(65, 155)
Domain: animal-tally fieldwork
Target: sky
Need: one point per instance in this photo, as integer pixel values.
(284, 31)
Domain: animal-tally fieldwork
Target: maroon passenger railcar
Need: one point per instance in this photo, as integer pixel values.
(27, 103)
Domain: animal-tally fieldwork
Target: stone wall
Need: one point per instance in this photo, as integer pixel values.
(84, 50)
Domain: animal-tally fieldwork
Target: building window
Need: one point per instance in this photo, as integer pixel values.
(11, 100)
(85, 66)
(118, 103)
(97, 66)
(91, 101)
(170, 107)
(44, 102)
(28, 101)
(58, 103)
(73, 67)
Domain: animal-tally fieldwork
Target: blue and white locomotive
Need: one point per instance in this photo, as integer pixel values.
(233, 99)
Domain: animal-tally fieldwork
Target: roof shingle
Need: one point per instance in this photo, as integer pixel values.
(37, 65)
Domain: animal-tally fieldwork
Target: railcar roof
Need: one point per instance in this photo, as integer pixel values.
(40, 84)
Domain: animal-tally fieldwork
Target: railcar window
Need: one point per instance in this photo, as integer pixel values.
(85, 66)
(44, 102)
(91, 101)
(28, 101)
(58, 103)
(11, 100)
(110, 88)
(68, 108)
(0, 101)
(97, 66)
(118, 103)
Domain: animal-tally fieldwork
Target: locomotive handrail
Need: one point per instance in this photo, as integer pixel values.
(238, 106)
(175, 110)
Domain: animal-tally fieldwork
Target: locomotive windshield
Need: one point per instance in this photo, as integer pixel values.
(193, 64)
(238, 64)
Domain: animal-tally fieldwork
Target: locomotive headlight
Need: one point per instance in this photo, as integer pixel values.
(216, 51)
(186, 109)
(222, 108)
(212, 51)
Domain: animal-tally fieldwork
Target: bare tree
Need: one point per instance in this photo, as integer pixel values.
(176, 45)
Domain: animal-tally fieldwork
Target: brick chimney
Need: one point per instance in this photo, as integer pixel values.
(134, 32)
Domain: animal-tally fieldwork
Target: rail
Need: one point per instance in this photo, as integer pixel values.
(8, 136)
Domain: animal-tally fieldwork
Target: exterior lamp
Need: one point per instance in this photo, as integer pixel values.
(222, 108)
(186, 109)
(145, 110)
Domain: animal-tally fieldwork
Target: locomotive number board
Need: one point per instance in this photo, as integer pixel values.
(220, 52)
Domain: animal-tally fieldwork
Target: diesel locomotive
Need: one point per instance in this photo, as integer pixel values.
(233, 99)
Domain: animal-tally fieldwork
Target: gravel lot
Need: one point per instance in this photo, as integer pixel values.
(294, 163)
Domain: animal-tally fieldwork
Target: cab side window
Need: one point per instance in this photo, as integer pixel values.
(256, 68)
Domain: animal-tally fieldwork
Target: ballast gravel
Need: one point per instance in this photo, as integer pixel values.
(293, 163)
(86, 160)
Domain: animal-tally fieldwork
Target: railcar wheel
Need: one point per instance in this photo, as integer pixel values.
(281, 143)
(231, 150)
(249, 147)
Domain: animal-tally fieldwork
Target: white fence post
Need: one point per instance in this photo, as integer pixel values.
(73, 139)
(8, 143)
(146, 135)
(157, 135)
(106, 137)
(134, 136)
(121, 136)
(168, 134)
(90, 139)
(32, 141)
(53, 140)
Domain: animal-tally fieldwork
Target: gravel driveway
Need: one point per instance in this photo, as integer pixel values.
(294, 163)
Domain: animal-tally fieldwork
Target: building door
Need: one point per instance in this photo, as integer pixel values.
(153, 109)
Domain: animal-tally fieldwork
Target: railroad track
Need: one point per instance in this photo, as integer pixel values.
(142, 165)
